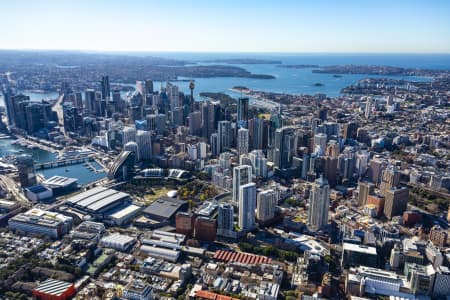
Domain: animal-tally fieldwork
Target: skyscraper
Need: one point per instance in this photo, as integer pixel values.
(144, 142)
(368, 110)
(364, 190)
(25, 168)
(106, 90)
(396, 202)
(225, 219)
(128, 135)
(389, 180)
(242, 141)
(214, 142)
(208, 118)
(284, 147)
(89, 101)
(320, 142)
(225, 135)
(265, 205)
(319, 202)
(9, 105)
(195, 123)
(242, 112)
(241, 175)
(247, 205)
(259, 163)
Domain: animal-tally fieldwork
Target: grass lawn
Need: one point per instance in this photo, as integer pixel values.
(159, 192)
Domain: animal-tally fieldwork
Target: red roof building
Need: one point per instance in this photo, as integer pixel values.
(52, 289)
(241, 257)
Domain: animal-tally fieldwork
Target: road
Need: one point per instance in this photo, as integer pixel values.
(57, 107)
(12, 187)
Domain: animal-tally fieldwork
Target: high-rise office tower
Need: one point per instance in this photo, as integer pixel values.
(330, 169)
(242, 141)
(38, 114)
(259, 163)
(214, 142)
(395, 201)
(247, 205)
(15, 108)
(195, 123)
(132, 147)
(265, 205)
(174, 96)
(90, 102)
(319, 203)
(128, 135)
(208, 118)
(362, 161)
(9, 105)
(225, 135)
(364, 190)
(225, 215)
(390, 179)
(242, 112)
(144, 142)
(259, 131)
(320, 142)
(284, 147)
(140, 87)
(25, 168)
(148, 86)
(368, 110)
(241, 175)
(106, 90)
(350, 130)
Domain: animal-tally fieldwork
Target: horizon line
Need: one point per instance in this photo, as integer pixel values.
(223, 52)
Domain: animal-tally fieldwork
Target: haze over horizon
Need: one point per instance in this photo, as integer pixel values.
(204, 26)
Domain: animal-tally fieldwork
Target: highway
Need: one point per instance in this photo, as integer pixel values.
(57, 107)
(12, 187)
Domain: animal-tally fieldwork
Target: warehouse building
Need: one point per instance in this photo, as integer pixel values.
(157, 252)
(123, 215)
(164, 209)
(118, 241)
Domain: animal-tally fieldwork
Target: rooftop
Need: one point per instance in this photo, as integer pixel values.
(53, 287)
(360, 248)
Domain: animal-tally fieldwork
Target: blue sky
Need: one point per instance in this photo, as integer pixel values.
(346, 26)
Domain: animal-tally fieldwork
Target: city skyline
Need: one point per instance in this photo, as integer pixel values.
(269, 27)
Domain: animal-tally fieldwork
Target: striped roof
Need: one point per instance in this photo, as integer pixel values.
(241, 257)
(212, 296)
(53, 287)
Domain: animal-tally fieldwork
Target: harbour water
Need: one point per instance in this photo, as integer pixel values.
(79, 171)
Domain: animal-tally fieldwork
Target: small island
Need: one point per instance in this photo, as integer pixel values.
(318, 84)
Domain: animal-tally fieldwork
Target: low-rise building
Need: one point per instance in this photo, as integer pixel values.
(41, 222)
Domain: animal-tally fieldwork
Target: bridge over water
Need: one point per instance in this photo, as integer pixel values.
(63, 162)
